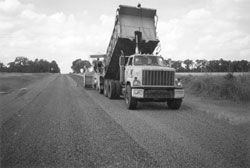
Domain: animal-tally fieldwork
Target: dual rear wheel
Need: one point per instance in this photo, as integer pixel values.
(112, 89)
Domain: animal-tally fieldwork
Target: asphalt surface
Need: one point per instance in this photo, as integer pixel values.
(57, 123)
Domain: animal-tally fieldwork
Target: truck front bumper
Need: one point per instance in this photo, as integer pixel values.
(141, 93)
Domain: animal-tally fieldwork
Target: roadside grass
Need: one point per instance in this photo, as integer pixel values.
(229, 87)
(10, 82)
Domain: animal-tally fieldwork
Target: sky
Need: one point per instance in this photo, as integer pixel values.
(66, 30)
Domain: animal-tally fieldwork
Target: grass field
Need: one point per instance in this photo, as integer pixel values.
(10, 82)
(227, 86)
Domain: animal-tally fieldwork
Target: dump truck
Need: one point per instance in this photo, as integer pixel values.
(130, 69)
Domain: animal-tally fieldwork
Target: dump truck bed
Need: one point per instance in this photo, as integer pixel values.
(128, 21)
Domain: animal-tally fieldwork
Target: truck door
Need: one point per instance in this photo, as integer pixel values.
(129, 69)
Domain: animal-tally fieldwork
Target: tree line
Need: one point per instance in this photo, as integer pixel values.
(199, 65)
(24, 65)
(210, 66)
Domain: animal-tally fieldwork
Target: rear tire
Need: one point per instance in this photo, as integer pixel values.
(105, 88)
(174, 104)
(111, 89)
(131, 102)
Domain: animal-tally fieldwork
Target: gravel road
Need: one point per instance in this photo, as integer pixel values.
(57, 123)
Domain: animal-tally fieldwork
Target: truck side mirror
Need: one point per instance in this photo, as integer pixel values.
(122, 61)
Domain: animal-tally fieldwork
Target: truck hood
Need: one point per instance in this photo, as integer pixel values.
(155, 68)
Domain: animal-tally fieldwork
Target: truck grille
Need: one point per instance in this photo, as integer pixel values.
(156, 77)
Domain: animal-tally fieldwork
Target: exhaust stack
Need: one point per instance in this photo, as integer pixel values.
(138, 41)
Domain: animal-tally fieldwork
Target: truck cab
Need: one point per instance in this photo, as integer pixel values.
(148, 78)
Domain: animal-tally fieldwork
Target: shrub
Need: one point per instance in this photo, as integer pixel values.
(227, 87)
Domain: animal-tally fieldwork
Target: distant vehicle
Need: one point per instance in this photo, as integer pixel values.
(129, 66)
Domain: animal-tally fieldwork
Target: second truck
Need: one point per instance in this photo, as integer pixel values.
(129, 66)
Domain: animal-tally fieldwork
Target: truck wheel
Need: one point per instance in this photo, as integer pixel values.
(174, 104)
(105, 88)
(111, 89)
(129, 100)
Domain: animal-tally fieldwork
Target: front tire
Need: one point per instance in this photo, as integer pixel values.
(131, 102)
(174, 104)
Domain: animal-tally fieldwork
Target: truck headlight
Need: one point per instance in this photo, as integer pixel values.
(136, 82)
(178, 82)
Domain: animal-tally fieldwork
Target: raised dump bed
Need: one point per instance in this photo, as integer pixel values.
(128, 21)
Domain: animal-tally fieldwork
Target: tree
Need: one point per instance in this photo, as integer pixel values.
(12, 67)
(240, 66)
(23, 64)
(178, 66)
(200, 65)
(3, 68)
(213, 66)
(189, 63)
(75, 67)
(85, 65)
(224, 66)
(20, 64)
(44, 65)
(79, 64)
(54, 67)
(21, 61)
(31, 67)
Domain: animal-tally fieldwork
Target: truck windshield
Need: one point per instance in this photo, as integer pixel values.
(148, 60)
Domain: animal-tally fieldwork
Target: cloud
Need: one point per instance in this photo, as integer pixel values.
(13, 7)
(57, 36)
(198, 14)
(207, 33)
(219, 29)
(10, 6)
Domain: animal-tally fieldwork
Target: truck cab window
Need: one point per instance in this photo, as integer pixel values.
(130, 61)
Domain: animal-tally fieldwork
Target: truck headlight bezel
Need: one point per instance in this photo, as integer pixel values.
(136, 82)
(178, 82)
